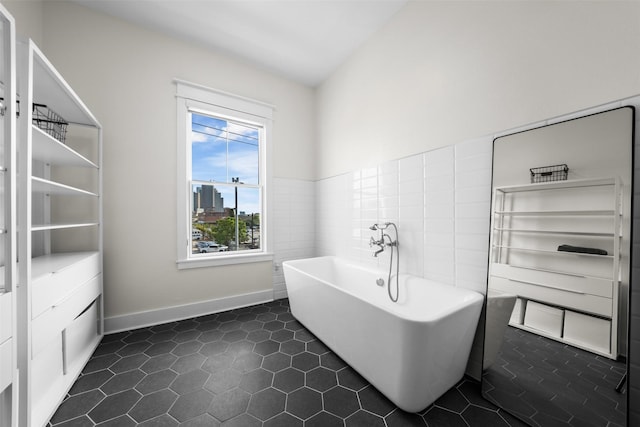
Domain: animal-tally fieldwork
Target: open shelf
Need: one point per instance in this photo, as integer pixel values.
(547, 251)
(555, 232)
(46, 227)
(57, 283)
(544, 270)
(49, 150)
(558, 185)
(40, 185)
(51, 89)
(558, 213)
(530, 221)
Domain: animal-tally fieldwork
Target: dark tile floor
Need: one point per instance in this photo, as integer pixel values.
(549, 383)
(255, 366)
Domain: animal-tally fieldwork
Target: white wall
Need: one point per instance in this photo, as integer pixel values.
(124, 74)
(444, 72)
(293, 225)
(29, 19)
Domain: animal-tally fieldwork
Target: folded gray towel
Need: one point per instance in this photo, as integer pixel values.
(582, 250)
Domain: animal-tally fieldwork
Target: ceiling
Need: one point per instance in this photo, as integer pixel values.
(303, 40)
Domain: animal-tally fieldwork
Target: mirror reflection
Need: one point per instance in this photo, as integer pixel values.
(556, 315)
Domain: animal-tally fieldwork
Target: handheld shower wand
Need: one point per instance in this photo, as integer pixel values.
(393, 244)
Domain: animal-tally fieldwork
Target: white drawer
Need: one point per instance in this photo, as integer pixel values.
(544, 318)
(571, 299)
(6, 364)
(587, 331)
(568, 282)
(51, 323)
(6, 316)
(80, 334)
(58, 275)
(46, 372)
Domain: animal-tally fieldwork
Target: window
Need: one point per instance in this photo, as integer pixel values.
(223, 153)
(225, 183)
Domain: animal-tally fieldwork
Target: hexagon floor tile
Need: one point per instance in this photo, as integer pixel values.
(254, 366)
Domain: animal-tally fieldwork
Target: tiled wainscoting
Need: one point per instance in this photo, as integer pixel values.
(294, 225)
(439, 201)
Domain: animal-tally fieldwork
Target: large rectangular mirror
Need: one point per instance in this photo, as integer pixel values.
(558, 288)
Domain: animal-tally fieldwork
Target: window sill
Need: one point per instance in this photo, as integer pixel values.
(219, 260)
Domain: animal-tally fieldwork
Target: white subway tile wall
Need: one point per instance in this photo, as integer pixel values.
(368, 185)
(472, 206)
(294, 218)
(388, 209)
(473, 169)
(439, 215)
(439, 200)
(333, 215)
(411, 214)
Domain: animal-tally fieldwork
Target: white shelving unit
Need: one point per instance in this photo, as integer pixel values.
(8, 324)
(571, 297)
(60, 241)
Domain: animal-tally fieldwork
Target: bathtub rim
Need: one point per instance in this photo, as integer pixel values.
(472, 297)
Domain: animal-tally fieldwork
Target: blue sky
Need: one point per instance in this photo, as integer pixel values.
(223, 150)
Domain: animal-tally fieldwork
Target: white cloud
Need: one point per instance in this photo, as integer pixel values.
(243, 165)
(197, 137)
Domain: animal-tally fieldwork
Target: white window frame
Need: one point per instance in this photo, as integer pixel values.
(195, 97)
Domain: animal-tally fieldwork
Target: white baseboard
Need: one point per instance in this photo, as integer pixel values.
(143, 319)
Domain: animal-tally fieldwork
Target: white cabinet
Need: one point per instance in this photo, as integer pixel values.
(570, 295)
(60, 239)
(8, 111)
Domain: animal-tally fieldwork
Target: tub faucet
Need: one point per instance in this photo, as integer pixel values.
(379, 243)
(393, 244)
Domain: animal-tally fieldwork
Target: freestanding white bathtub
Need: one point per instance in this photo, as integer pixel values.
(413, 351)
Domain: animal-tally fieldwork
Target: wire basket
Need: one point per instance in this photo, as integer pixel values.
(549, 173)
(50, 122)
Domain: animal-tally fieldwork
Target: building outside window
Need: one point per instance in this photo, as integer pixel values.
(223, 153)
